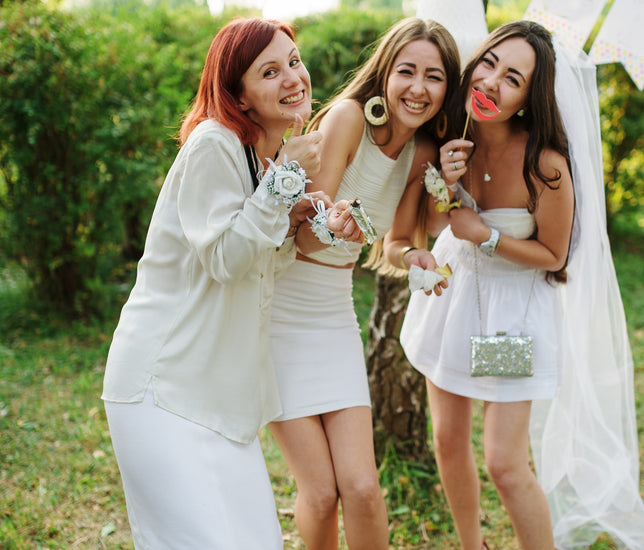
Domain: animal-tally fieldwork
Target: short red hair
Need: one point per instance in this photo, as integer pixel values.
(231, 53)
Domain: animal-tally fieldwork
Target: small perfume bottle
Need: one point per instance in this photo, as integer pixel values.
(364, 223)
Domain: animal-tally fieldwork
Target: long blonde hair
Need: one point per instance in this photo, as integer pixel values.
(370, 79)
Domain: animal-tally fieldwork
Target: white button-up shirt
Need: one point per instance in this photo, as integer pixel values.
(195, 324)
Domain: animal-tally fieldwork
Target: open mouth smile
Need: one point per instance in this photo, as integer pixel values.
(414, 105)
(292, 98)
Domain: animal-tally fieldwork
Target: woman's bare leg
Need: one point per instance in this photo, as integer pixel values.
(452, 426)
(305, 447)
(507, 454)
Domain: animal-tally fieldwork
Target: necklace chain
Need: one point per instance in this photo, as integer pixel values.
(486, 175)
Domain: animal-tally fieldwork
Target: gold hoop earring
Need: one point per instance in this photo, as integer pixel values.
(375, 111)
(441, 125)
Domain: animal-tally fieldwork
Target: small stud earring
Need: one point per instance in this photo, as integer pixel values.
(520, 112)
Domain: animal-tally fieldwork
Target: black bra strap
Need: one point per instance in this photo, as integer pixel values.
(252, 164)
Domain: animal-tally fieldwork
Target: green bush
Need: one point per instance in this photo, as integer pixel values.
(90, 105)
(622, 127)
(333, 44)
(92, 100)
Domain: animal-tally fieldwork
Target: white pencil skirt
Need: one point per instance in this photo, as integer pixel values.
(188, 487)
(315, 342)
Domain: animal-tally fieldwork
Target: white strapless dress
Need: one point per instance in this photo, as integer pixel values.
(436, 331)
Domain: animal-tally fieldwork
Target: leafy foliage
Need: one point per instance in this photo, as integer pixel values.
(92, 99)
(90, 103)
(333, 44)
(622, 126)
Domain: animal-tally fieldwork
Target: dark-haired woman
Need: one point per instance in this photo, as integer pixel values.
(507, 246)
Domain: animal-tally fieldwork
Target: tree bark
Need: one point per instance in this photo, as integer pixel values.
(398, 392)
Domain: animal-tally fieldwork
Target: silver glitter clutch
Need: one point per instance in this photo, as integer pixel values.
(501, 355)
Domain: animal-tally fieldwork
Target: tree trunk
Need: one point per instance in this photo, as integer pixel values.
(398, 391)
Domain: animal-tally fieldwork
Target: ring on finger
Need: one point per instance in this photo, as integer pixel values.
(455, 167)
(450, 153)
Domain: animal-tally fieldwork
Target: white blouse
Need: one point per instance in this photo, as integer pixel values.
(195, 326)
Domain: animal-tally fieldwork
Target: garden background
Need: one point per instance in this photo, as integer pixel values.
(90, 101)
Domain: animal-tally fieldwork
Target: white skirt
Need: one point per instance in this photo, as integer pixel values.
(187, 486)
(315, 342)
(436, 331)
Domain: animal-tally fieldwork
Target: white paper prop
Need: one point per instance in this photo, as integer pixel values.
(571, 21)
(426, 279)
(620, 39)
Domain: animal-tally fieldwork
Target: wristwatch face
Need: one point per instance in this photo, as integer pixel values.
(487, 248)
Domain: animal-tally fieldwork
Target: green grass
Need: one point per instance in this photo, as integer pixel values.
(59, 484)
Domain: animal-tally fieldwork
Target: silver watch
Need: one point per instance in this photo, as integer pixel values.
(489, 247)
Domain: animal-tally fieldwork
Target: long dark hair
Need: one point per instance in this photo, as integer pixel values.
(542, 119)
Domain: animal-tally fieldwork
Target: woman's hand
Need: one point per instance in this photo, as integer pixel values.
(425, 259)
(304, 209)
(453, 158)
(305, 149)
(342, 223)
(468, 225)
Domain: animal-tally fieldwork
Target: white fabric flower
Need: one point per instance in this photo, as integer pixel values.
(286, 182)
(319, 224)
(321, 231)
(437, 188)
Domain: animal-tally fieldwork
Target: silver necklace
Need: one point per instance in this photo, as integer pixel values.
(486, 176)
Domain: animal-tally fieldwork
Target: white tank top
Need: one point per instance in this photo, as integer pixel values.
(379, 182)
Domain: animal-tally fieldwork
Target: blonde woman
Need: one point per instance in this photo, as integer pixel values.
(378, 135)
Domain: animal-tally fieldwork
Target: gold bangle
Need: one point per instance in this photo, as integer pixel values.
(292, 230)
(402, 253)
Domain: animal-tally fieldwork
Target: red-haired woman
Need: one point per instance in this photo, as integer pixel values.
(189, 379)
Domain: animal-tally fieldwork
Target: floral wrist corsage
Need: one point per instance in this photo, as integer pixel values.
(287, 181)
(437, 188)
(319, 225)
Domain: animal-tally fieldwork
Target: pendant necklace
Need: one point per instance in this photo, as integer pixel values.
(486, 176)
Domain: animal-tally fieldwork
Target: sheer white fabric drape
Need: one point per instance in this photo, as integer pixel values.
(585, 440)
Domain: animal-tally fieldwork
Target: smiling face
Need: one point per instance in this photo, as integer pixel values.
(276, 86)
(504, 75)
(416, 85)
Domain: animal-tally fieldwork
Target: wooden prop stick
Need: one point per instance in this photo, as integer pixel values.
(467, 120)
(486, 103)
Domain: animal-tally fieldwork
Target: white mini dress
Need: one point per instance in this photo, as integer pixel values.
(436, 331)
(315, 338)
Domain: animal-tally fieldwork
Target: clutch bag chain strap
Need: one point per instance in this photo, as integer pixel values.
(500, 354)
(478, 294)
